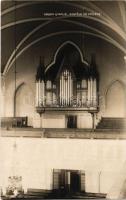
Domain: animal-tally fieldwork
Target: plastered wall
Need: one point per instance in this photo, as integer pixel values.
(35, 159)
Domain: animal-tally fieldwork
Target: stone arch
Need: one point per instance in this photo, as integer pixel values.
(24, 102)
(115, 97)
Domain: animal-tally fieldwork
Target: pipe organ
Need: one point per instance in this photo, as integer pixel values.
(67, 89)
(46, 94)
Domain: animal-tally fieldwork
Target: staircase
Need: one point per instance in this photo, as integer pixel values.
(112, 123)
(80, 195)
(36, 194)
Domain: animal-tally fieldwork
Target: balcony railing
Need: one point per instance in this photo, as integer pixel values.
(68, 103)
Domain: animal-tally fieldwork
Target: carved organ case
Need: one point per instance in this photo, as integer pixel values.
(69, 83)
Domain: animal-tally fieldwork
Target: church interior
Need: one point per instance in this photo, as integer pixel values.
(63, 94)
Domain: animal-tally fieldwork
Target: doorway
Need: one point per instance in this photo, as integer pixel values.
(74, 181)
(71, 121)
(67, 180)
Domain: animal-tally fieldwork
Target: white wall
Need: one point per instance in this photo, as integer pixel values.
(34, 160)
(53, 121)
(84, 120)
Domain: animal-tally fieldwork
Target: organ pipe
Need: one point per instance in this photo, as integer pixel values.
(64, 87)
(37, 94)
(89, 91)
(68, 87)
(43, 92)
(40, 93)
(71, 89)
(95, 92)
(54, 98)
(63, 90)
(60, 91)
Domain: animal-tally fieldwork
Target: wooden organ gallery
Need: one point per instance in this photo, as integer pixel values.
(67, 85)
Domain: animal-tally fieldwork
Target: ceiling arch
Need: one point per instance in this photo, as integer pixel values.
(55, 34)
(54, 20)
(104, 17)
(94, 26)
(44, 24)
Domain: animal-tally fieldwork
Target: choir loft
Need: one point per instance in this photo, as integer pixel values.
(68, 86)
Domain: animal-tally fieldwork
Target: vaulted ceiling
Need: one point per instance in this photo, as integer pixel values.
(25, 23)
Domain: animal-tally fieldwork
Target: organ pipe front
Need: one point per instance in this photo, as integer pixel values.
(67, 90)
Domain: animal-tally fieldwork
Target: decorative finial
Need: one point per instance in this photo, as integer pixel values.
(93, 59)
(40, 69)
(93, 67)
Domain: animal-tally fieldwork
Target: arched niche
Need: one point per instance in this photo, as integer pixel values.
(115, 100)
(24, 102)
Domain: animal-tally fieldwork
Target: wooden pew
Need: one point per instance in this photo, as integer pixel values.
(14, 122)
